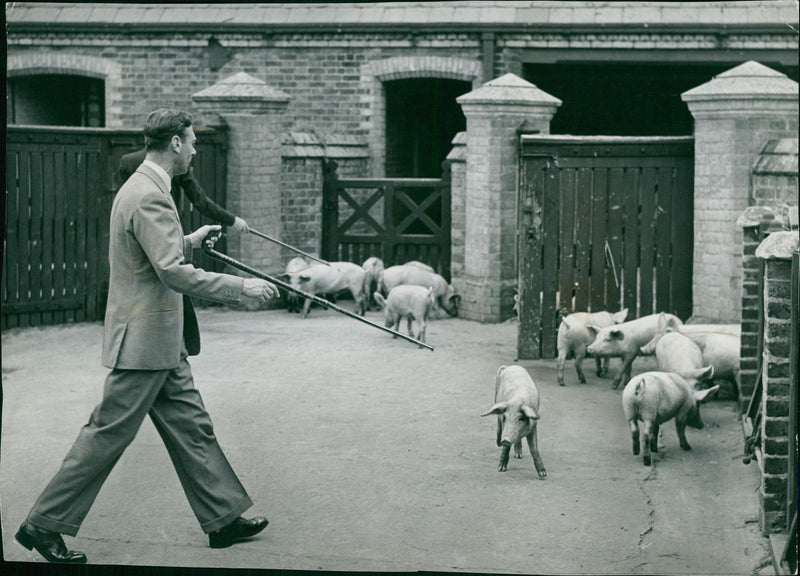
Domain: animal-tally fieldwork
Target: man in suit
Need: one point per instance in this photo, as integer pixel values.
(144, 344)
(187, 184)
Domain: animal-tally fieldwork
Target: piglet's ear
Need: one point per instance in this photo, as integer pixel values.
(530, 412)
(496, 409)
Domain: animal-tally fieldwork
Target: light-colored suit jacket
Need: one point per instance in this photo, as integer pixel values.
(150, 263)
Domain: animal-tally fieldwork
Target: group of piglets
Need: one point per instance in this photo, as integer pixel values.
(687, 355)
(411, 291)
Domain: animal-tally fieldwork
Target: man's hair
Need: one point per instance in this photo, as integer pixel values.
(161, 125)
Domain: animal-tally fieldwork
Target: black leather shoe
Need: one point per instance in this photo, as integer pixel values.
(239, 529)
(48, 544)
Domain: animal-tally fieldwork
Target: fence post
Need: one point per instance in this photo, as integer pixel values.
(734, 114)
(254, 115)
(494, 112)
(330, 210)
(776, 251)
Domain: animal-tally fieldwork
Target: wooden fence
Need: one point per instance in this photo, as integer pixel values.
(605, 223)
(60, 184)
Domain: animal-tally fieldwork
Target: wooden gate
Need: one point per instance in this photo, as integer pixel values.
(395, 219)
(60, 184)
(605, 223)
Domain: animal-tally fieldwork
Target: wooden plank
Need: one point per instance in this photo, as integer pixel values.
(549, 310)
(11, 246)
(35, 232)
(630, 269)
(532, 183)
(614, 253)
(683, 238)
(647, 198)
(48, 217)
(663, 236)
(583, 237)
(598, 278)
(565, 220)
(72, 198)
(60, 201)
(87, 237)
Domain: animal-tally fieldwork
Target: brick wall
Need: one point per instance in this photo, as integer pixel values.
(735, 113)
(458, 208)
(775, 400)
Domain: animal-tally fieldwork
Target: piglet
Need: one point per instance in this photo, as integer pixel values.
(339, 276)
(414, 303)
(574, 336)
(657, 397)
(374, 267)
(625, 340)
(517, 409)
(677, 353)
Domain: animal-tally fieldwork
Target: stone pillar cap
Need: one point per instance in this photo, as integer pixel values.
(241, 87)
(779, 245)
(744, 81)
(508, 89)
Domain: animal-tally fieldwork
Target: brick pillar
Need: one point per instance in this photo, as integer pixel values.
(776, 250)
(494, 113)
(253, 113)
(458, 210)
(756, 223)
(735, 114)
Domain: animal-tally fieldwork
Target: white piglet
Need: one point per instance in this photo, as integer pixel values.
(574, 336)
(444, 293)
(625, 340)
(374, 267)
(414, 303)
(719, 345)
(517, 408)
(677, 353)
(657, 397)
(339, 276)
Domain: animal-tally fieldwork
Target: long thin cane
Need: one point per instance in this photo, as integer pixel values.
(208, 248)
(292, 248)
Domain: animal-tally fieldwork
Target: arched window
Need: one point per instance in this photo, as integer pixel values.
(56, 100)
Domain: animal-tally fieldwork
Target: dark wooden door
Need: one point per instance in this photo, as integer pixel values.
(605, 223)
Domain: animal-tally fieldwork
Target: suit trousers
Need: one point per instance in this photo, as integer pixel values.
(214, 492)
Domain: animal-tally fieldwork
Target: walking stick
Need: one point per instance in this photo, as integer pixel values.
(208, 248)
(271, 239)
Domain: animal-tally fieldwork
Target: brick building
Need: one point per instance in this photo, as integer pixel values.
(377, 86)
(388, 73)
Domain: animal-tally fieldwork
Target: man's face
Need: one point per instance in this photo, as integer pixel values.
(184, 148)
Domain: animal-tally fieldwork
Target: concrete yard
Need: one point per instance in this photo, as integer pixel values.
(369, 454)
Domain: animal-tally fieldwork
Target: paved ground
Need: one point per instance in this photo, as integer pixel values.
(369, 454)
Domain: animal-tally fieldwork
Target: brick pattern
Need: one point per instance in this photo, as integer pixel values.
(725, 149)
(751, 270)
(489, 276)
(775, 400)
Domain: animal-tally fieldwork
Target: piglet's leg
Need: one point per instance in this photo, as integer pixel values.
(504, 452)
(518, 449)
(634, 424)
(533, 446)
(681, 428)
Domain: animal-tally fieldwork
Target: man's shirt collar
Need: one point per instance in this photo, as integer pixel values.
(161, 173)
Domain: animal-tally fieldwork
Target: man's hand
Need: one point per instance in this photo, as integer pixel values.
(196, 237)
(259, 290)
(240, 226)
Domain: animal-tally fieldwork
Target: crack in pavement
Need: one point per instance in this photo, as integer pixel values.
(642, 483)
